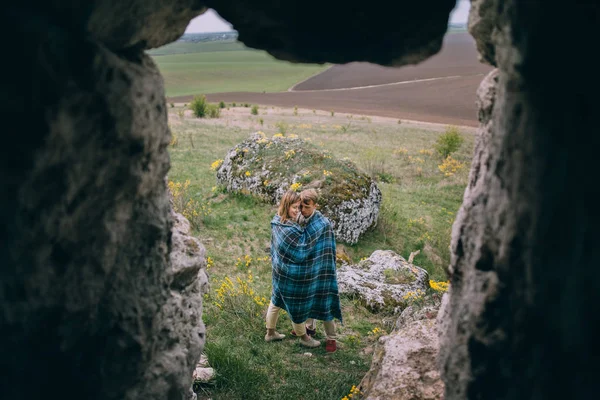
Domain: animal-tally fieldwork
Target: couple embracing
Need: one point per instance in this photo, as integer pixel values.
(304, 271)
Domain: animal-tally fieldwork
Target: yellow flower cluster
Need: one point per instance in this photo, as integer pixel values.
(450, 166)
(289, 154)
(426, 152)
(278, 135)
(415, 160)
(305, 126)
(173, 141)
(216, 164)
(209, 262)
(248, 173)
(295, 186)
(185, 205)
(193, 210)
(239, 297)
(293, 136)
(400, 151)
(327, 173)
(262, 141)
(245, 150)
(178, 189)
(425, 237)
(245, 261)
(376, 331)
(353, 392)
(416, 295)
(439, 286)
(417, 221)
(266, 182)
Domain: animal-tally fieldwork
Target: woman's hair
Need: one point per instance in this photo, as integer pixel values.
(290, 197)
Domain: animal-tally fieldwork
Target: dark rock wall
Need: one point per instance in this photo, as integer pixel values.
(524, 271)
(84, 223)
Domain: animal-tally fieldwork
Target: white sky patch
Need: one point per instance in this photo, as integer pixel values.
(210, 21)
(460, 14)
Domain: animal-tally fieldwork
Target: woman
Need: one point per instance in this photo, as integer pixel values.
(288, 251)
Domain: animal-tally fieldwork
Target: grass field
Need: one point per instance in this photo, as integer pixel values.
(419, 204)
(202, 68)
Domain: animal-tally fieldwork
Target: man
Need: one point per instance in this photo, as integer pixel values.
(327, 296)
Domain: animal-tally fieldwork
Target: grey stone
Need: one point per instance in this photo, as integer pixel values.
(350, 216)
(404, 365)
(89, 291)
(481, 27)
(368, 281)
(414, 313)
(339, 31)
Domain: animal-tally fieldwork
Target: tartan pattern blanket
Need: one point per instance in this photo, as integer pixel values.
(304, 271)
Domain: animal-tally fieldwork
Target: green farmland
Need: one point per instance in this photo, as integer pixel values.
(203, 68)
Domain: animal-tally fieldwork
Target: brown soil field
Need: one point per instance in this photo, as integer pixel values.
(458, 57)
(441, 89)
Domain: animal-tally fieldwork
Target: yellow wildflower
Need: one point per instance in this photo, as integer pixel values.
(216, 164)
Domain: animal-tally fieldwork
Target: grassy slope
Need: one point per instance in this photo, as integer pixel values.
(420, 201)
(201, 68)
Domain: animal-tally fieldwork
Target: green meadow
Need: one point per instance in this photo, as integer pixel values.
(215, 67)
(421, 195)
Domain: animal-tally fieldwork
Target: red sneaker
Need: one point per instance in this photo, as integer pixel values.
(331, 346)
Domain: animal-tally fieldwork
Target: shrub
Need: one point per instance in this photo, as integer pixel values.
(174, 141)
(172, 105)
(449, 142)
(221, 104)
(254, 110)
(246, 105)
(233, 105)
(199, 106)
(261, 121)
(213, 111)
(282, 127)
(332, 113)
(186, 205)
(296, 110)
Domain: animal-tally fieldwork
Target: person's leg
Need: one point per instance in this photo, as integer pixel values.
(271, 323)
(311, 326)
(305, 340)
(331, 344)
(330, 329)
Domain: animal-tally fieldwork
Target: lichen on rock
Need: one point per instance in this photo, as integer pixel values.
(268, 167)
(384, 280)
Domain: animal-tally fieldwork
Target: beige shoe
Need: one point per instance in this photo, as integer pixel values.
(273, 337)
(310, 342)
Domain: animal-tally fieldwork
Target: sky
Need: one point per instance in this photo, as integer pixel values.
(210, 21)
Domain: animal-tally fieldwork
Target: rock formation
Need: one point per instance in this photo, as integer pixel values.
(384, 280)
(268, 167)
(405, 362)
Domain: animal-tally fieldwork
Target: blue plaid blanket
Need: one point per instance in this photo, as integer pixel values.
(304, 273)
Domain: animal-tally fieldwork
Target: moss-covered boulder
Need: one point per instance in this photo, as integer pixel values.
(268, 167)
(383, 281)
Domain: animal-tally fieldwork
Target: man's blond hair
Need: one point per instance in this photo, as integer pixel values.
(309, 195)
